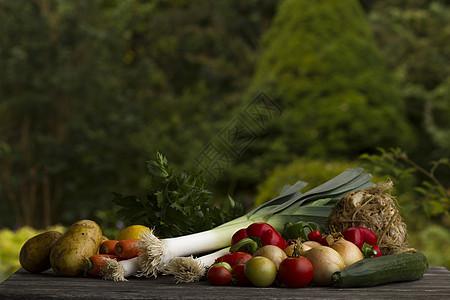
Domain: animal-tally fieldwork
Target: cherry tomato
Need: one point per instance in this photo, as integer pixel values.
(295, 271)
(314, 235)
(219, 275)
(238, 275)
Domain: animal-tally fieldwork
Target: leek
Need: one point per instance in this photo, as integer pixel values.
(190, 269)
(290, 206)
(119, 270)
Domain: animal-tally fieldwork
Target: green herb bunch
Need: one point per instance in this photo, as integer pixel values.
(176, 204)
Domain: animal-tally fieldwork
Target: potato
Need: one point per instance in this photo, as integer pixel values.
(77, 244)
(35, 253)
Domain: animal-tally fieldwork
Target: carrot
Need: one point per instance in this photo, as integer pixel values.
(108, 247)
(126, 249)
(93, 265)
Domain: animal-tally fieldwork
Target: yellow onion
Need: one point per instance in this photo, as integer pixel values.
(325, 261)
(311, 244)
(302, 247)
(350, 252)
(274, 253)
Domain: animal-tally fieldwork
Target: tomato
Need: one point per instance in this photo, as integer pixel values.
(219, 275)
(235, 258)
(295, 271)
(223, 264)
(238, 275)
(261, 271)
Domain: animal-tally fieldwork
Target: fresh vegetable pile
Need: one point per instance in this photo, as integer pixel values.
(344, 259)
(329, 235)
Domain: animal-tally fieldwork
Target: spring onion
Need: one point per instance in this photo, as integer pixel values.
(290, 206)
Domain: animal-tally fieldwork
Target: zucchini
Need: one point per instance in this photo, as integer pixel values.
(382, 270)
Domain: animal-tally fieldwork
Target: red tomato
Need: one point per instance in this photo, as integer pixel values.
(235, 258)
(295, 271)
(238, 275)
(219, 275)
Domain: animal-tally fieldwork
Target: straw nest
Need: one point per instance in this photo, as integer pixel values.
(374, 209)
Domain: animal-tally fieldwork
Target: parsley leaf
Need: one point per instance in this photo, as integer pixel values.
(177, 203)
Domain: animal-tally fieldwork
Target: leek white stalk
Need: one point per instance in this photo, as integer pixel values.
(190, 269)
(157, 253)
(290, 206)
(119, 270)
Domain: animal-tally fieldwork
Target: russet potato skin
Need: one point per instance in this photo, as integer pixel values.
(80, 241)
(35, 253)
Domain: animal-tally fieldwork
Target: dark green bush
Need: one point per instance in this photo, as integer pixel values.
(321, 63)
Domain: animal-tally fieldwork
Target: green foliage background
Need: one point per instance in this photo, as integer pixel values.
(90, 90)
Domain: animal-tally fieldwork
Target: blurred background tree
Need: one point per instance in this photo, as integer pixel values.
(322, 64)
(90, 90)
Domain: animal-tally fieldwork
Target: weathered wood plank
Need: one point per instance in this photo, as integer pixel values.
(23, 285)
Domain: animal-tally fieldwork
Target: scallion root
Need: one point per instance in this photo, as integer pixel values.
(185, 269)
(112, 270)
(152, 260)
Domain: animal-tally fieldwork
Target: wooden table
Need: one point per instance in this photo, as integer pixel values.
(22, 285)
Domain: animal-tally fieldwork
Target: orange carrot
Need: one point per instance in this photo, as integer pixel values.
(93, 265)
(126, 249)
(108, 247)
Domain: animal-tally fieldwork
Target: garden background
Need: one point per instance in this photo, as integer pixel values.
(91, 90)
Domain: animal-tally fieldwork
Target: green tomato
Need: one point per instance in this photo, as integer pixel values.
(261, 271)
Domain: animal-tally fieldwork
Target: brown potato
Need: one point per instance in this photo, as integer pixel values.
(80, 241)
(35, 253)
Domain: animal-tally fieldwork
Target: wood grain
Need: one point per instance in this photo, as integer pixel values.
(23, 285)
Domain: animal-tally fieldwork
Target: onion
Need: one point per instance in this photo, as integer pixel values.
(311, 244)
(325, 261)
(274, 253)
(350, 252)
(302, 247)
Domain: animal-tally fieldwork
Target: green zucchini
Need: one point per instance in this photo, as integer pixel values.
(382, 270)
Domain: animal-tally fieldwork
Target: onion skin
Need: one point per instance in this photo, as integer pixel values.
(311, 244)
(305, 246)
(350, 252)
(325, 261)
(272, 252)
